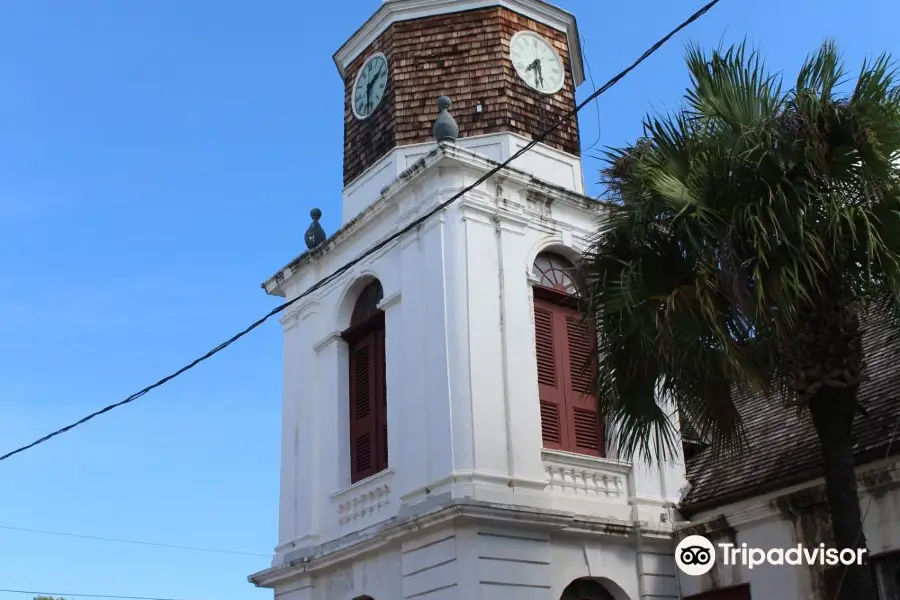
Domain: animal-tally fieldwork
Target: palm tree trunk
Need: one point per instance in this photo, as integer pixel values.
(833, 411)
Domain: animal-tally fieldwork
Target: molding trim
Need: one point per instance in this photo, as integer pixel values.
(510, 221)
(387, 474)
(436, 220)
(299, 542)
(289, 320)
(389, 301)
(328, 339)
(297, 313)
(276, 285)
(638, 500)
(464, 477)
(388, 533)
(535, 189)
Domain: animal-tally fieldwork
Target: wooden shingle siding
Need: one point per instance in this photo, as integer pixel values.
(464, 56)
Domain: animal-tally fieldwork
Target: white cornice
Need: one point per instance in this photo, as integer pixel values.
(276, 285)
(405, 10)
(366, 541)
(441, 154)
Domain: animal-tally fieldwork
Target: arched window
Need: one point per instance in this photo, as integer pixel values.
(368, 392)
(556, 273)
(585, 589)
(565, 350)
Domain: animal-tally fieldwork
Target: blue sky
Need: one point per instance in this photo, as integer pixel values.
(158, 160)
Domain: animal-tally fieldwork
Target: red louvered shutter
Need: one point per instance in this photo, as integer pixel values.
(381, 426)
(582, 408)
(364, 435)
(549, 348)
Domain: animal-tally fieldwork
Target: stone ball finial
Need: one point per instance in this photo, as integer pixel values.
(445, 128)
(315, 235)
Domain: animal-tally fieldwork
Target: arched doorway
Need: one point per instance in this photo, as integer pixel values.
(585, 589)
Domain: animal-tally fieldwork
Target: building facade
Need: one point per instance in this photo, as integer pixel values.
(440, 438)
(773, 495)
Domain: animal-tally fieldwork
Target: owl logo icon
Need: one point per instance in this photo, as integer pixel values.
(695, 555)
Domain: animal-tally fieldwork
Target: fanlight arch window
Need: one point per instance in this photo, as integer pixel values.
(554, 272)
(367, 303)
(565, 348)
(368, 389)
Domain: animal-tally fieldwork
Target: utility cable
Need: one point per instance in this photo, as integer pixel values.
(413, 225)
(590, 74)
(137, 542)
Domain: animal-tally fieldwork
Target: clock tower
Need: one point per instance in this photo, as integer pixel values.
(510, 67)
(440, 431)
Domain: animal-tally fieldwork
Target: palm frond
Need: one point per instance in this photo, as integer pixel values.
(731, 219)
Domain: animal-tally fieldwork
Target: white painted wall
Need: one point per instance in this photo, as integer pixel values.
(463, 412)
(462, 383)
(547, 164)
(759, 523)
(455, 560)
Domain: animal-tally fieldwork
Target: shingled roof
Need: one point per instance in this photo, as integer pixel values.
(783, 447)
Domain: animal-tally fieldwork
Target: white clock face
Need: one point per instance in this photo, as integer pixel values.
(370, 85)
(536, 62)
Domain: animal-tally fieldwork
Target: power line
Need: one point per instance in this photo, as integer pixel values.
(70, 595)
(122, 541)
(590, 73)
(322, 282)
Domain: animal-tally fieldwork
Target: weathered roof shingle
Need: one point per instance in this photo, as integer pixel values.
(783, 447)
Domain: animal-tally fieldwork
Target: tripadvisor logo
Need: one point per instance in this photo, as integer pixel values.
(695, 555)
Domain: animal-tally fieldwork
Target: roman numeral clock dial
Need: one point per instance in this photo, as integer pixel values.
(371, 83)
(536, 62)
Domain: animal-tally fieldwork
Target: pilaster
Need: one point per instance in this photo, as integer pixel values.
(298, 496)
(435, 368)
(483, 296)
(333, 425)
(520, 363)
(406, 399)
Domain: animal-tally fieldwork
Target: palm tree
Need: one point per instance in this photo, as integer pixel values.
(750, 234)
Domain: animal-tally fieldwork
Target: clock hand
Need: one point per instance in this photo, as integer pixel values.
(535, 67)
(369, 87)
